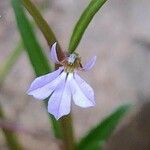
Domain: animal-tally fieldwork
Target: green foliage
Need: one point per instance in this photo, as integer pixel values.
(99, 134)
(42, 24)
(37, 58)
(83, 23)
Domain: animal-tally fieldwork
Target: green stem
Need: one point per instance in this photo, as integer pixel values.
(67, 129)
(10, 136)
(55, 124)
(42, 24)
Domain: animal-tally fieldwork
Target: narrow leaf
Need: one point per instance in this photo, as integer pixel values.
(42, 24)
(83, 23)
(102, 131)
(37, 57)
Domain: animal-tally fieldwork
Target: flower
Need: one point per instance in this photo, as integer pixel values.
(63, 85)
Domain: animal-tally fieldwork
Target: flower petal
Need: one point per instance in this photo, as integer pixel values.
(43, 86)
(89, 64)
(60, 101)
(85, 88)
(45, 79)
(81, 94)
(53, 54)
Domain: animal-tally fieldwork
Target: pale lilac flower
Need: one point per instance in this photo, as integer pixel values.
(64, 85)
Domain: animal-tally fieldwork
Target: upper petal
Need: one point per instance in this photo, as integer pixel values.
(82, 93)
(53, 54)
(43, 86)
(89, 64)
(60, 101)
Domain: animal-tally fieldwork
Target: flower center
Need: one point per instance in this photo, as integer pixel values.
(72, 58)
(72, 62)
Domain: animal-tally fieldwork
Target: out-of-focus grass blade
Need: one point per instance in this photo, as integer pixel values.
(83, 22)
(10, 136)
(102, 131)
(10, 61)
(37, 58)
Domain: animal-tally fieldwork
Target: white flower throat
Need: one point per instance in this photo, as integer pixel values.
(72, 62)
(72, 58)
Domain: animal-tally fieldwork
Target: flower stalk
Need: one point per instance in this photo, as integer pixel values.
(67, 129)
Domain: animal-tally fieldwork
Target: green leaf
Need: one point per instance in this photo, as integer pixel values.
(42, 25)
(83, 23)
(37, 57)
(99, 134)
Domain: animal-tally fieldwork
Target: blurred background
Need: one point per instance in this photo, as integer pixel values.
(120, 37)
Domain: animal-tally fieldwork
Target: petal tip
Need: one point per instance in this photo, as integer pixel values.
(94, 58)
(90, 63)
(28, 92)
(53, 53)
(57, 116)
